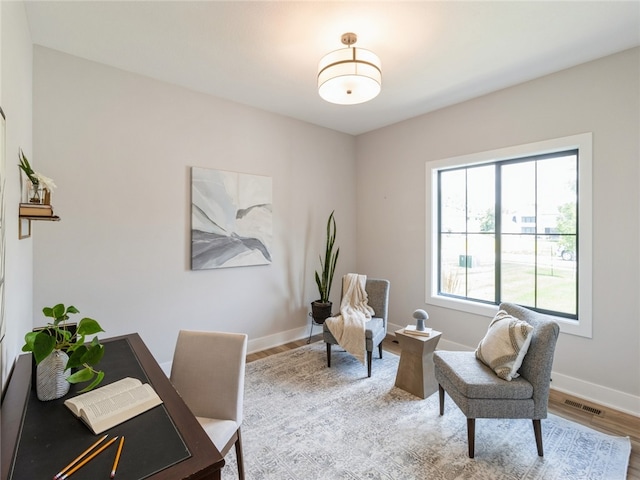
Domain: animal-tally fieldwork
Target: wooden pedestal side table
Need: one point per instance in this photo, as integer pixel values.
(415, 371)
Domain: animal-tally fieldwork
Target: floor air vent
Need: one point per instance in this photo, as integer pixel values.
(585, 408)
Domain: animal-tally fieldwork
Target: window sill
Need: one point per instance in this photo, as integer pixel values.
(570, 327)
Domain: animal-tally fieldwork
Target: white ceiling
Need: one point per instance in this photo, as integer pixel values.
(265, 54)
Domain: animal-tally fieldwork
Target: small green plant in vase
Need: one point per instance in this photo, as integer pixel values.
(68, 348)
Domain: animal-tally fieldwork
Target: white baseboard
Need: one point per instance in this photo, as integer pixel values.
(280, 338)
(607, 397)
(392, 327)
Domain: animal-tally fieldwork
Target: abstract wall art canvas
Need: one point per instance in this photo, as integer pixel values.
(231, 219)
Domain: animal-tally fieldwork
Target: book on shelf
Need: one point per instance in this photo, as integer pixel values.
(37, 205)
(113, 404)
(36, 210)
(411, 330)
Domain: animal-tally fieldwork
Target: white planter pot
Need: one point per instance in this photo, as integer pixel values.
(51, 378)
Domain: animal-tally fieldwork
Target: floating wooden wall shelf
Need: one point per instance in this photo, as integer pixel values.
(24, 223)
(55, 218)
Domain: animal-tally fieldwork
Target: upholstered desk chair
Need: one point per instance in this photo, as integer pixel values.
(376, 328)
(208, 371)
(480, 393)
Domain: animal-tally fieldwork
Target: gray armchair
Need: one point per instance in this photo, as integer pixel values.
(376, 328)
(480, 393)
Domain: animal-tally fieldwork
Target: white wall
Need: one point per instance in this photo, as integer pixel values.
(600, 97)
(16, 102)
(119, 147)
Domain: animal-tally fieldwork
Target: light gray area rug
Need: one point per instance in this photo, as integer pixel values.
(306, 421)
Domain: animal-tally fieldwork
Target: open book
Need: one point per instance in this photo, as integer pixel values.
(108, 406)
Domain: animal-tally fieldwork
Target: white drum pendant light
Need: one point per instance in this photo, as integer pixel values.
(350, 75)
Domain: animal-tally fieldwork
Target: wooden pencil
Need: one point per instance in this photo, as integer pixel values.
(117, 459)
(78, 458)
(88, 459)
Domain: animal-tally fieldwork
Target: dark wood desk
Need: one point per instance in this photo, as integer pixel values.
(198, 459)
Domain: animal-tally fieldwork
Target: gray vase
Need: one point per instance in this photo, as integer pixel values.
(51, 377)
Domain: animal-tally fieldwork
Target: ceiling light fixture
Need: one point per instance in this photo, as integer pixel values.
(350, 75)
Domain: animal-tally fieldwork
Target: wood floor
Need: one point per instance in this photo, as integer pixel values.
(611, 422)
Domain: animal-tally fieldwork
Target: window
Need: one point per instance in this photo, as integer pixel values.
(513, 225)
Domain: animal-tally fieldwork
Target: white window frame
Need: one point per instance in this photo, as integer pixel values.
(583, 142)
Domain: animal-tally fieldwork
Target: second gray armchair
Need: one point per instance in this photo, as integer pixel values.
(480, 393)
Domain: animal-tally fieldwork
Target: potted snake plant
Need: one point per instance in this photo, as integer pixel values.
(321, 308)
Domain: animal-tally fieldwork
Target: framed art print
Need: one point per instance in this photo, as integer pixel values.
(231, 219)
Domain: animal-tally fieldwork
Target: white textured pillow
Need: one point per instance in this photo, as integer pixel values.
(504, 346)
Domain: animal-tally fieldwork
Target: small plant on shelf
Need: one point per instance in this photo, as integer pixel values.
(39, 183)
(57, 335)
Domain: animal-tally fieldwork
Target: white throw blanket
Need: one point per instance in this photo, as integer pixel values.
(348, 327)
